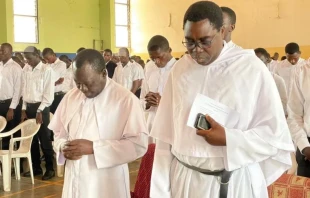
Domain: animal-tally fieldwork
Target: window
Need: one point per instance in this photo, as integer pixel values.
(25, 21)
(122, 23)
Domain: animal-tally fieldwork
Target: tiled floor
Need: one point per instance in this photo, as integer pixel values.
(51, 188)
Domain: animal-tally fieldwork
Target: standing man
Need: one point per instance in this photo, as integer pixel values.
(10, 88)
(38, 90)
(285, 68)
(110, 65)
(69, 78)
(156, 75)
(128, 74)
(59, 68)
(275, 56)
(93, 138)
(244, 150)
(229, 21)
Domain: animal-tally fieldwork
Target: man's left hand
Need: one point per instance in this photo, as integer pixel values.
(10, 115)
(79, 147)
(215, 135)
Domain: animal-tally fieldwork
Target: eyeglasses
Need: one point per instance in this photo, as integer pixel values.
(202, 44)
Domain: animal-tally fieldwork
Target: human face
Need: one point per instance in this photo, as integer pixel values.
(89, 81)
(293, 58)
(32, 60)
(228, 27)
(203, 42)
(160, 57)
(107, 56)
(1, 55)
(124, 59)
(6, 53)
(50, 58)
(262, 58)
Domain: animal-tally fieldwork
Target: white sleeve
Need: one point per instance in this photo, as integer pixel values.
(295, 109)
(17, 78)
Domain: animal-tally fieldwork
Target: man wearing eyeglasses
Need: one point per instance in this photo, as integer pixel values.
(246, 152)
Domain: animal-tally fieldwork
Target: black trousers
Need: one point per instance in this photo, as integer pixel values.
(44, 135)
(303, 165)
(4, 108)
(57, 99)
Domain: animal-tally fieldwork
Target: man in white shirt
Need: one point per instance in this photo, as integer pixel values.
(262, 54)
(286, 68)
(299, 117)
(10, 89)
(38, 95)
(128, 74)
(156, 75)
(59, 68)
(69, 78)
(229, 21)
(99, 127)
(244, 154)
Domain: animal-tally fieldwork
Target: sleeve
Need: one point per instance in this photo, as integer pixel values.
(267, 140)
(138, 73)
(17, 75)
(48, 89)
(62, 70)
(283, 94)
(24, 106)
(60, 134)
(132, 145)
(160, 181)
(296, 114)
(115, 74)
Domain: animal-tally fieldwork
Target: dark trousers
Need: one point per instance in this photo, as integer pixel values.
(4, 108)
(57, 99)
(303, 165)
(44, 135)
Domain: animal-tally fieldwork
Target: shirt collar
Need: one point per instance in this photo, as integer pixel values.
(9, 62)
(39, 66)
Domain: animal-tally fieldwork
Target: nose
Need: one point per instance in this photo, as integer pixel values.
(197, 48)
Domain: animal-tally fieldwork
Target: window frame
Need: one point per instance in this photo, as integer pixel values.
(29, 16)
(128, 23)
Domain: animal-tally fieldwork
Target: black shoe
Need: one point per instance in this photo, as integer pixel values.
(35, 173)
(49, 174)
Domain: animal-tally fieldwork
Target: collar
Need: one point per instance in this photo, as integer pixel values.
(38, 67)
(7, 63)
(169, 64)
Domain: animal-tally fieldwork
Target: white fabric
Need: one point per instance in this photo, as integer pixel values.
(272, 66)
(10, 82)
(258, 145)
(233, 45)
(285, 69)
(114, 121)
(155, 81)
(60, 69)
(125, 76)
(38, 85)
(282, 90)
(68, 83)
(299, 107)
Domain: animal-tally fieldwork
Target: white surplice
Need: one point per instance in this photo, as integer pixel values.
(155, 81)
(258, 144)
(272, 66)
(233, 45)
(286, 70)
(114, 121)
(282, 90)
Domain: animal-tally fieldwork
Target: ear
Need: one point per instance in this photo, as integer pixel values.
(170, 50)
(232, 27)
(104, 73)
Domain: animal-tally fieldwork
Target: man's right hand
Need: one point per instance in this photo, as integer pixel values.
(24, 116)
(306, 153)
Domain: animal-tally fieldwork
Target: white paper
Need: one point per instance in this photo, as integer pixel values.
(218, 111)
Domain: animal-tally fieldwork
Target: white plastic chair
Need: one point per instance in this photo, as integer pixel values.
(3, 123)
(28, 129)
(60, 168)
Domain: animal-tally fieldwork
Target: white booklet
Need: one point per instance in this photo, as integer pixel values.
(222, 114)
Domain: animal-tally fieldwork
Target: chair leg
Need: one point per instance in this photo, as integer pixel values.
(14, 164)
(6, 167)
(30, 168)
(17, 169)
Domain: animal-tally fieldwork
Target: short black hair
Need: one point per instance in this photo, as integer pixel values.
(92, 57)
(16, 59)
(202, 10)
(231, 14)
(158, 42)
(283, 58)
(32, 50)
(262, 51)
(108, 51)
(80, 49)
(63, 57)
(47, 51)
(126, 50)
(292, 48)
(7, 45)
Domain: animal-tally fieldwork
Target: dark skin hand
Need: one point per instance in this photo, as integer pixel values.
(24, 116)
(10, 115)
(39, 118)
(77, 148)
(306, 152)
(59, 81)
(152, 100)
(215, 135)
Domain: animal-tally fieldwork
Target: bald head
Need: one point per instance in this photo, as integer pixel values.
(6, 51)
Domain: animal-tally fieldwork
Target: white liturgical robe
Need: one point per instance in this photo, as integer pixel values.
(282, 90)
(258, 143)
(114, 121)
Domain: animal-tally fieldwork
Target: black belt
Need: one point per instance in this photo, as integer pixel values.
(5, 101)
(59, 93)
(223, 174)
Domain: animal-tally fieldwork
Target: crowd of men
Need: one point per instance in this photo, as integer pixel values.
(99, 101)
